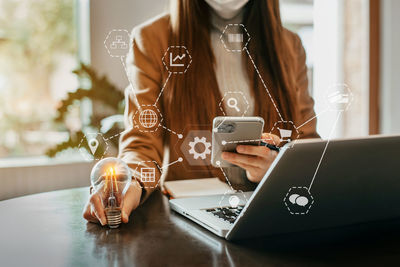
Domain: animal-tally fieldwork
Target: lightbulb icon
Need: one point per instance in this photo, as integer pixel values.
(110, 179)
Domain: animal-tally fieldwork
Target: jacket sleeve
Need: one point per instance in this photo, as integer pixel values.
(140, 148)
(305, 119)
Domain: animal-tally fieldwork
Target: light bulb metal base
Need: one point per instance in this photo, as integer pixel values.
(113, 216)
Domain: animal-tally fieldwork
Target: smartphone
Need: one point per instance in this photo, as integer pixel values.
(228, 132)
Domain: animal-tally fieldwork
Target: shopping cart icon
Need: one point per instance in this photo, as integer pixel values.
(285, 135)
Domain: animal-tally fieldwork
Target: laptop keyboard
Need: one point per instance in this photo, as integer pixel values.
(227, 213)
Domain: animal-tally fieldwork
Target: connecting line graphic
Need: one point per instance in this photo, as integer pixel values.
(323, 153)
(314, 117)
(131, 83)
(226, 178)
(265, 86)
(172, 163)
(245, 141)
(116, 135)
(180, 136)
(162, 89)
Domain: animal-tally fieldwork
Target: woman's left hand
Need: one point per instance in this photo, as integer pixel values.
(256, 160)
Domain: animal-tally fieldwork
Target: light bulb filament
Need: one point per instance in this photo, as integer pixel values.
(114, 176)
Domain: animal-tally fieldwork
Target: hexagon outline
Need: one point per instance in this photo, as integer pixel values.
(351, 95)
(176, 46)
(230, 25)
(294, 126)
(298, 213)
(108, 35)
(139, 111)
(191, 157)
(85, 138)
(158, 167)
(234, 92)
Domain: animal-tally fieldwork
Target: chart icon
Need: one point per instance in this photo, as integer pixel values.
(177, 59)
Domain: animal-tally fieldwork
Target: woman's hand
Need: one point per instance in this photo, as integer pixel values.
(94, 210)
(256, 160)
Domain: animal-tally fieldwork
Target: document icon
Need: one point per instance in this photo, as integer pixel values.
(235, 37)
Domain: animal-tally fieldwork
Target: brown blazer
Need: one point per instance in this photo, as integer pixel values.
(147, 74)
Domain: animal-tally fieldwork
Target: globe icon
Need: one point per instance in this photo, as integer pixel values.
(148, 118)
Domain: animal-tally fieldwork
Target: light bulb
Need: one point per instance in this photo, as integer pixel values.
(110, 179)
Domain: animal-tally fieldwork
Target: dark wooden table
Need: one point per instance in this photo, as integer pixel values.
(48, 230)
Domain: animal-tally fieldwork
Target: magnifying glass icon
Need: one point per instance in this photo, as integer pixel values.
(232, 103)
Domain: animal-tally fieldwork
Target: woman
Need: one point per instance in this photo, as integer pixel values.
(270, 74)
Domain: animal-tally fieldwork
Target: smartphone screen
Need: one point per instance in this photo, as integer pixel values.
(228, 132)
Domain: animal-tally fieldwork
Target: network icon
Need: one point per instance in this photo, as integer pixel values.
(117, 43)
(148, 118)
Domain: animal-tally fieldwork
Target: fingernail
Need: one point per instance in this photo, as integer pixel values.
(103, 222)
(239, 149)
(224, 155)
(125, 217)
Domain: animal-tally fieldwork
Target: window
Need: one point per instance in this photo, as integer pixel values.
(335, 37)
(38, 51)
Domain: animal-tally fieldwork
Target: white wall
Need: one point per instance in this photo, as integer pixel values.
(328, 65)
(25, 179)
(390, 66)
(106, 15)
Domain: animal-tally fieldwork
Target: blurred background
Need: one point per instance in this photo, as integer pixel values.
(56, 77)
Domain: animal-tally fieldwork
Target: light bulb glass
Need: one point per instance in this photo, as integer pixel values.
(110, 179)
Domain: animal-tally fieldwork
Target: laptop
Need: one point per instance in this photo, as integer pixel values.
(355, 181)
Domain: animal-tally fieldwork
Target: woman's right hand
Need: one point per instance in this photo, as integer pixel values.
(94, 210)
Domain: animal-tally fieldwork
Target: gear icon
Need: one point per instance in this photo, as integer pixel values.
(206, 150)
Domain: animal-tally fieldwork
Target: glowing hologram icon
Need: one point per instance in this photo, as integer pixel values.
(148, 118)
(339, 97)
(287, 132)
(148, 175)
(236, 101)
(233, 103)
(235, 37)
(177, 59)
(194, 151)
(285, 135)
(118, 43)
(171, 61)
(93, 145)
(298, 200)
(234, 201)
(200, 144)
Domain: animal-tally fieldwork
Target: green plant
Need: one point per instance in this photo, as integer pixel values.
(105, 99)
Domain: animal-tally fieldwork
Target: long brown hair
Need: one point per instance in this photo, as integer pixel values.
(194, 96)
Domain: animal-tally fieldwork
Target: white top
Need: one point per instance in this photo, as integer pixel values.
(233, 80)
(230, 69)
